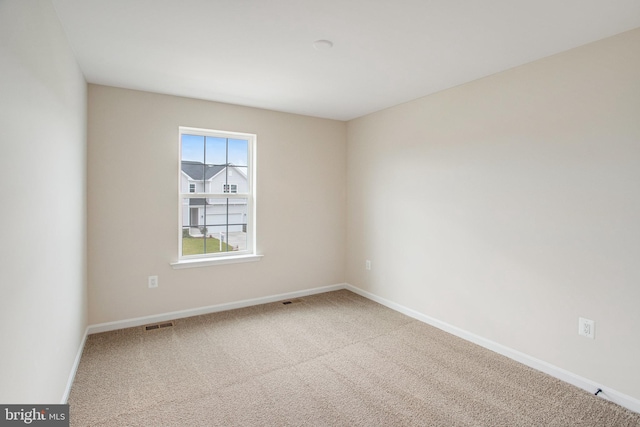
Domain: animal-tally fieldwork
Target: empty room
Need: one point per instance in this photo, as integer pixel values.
(420, 213)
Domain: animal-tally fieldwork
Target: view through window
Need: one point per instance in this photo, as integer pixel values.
(216, 193)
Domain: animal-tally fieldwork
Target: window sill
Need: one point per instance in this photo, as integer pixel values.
(205, 262)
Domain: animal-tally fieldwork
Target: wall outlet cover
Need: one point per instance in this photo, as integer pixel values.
(586, 328)
(153, 281)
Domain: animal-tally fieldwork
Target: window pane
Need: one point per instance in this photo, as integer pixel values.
(192, 164)
(193, 148)
(238, 152)
(193, 238)
(216, 151)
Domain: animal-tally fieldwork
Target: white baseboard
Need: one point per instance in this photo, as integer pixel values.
(559, 373)
(139, 321)
(74, 368)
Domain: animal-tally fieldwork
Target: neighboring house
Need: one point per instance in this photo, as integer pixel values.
(218, 215)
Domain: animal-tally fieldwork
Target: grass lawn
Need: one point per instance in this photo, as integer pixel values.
(195, 246)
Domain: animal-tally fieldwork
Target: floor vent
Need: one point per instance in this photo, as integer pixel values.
(158, 326)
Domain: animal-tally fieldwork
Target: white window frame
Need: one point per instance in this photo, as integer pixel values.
(247, 255)
(192, 185)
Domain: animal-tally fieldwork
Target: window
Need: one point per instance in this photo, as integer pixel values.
(217, 201)
(229, 188)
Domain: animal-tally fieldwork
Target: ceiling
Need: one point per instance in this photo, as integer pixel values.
(260, 53)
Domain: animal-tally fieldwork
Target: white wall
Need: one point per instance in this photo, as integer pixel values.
(42, 166)
(510, 206)
(133, 204)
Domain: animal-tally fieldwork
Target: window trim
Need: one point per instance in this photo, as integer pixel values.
(247, 255)
(192, 263)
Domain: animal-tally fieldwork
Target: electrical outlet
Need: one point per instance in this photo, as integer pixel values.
(586, 328)
(153, 281)
(367, 265)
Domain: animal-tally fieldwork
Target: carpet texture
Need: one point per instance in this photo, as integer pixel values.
(334, 359)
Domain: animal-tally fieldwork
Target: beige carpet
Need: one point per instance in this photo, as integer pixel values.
(334, 359)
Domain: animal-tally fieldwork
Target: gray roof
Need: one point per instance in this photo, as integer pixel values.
(199, 171)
